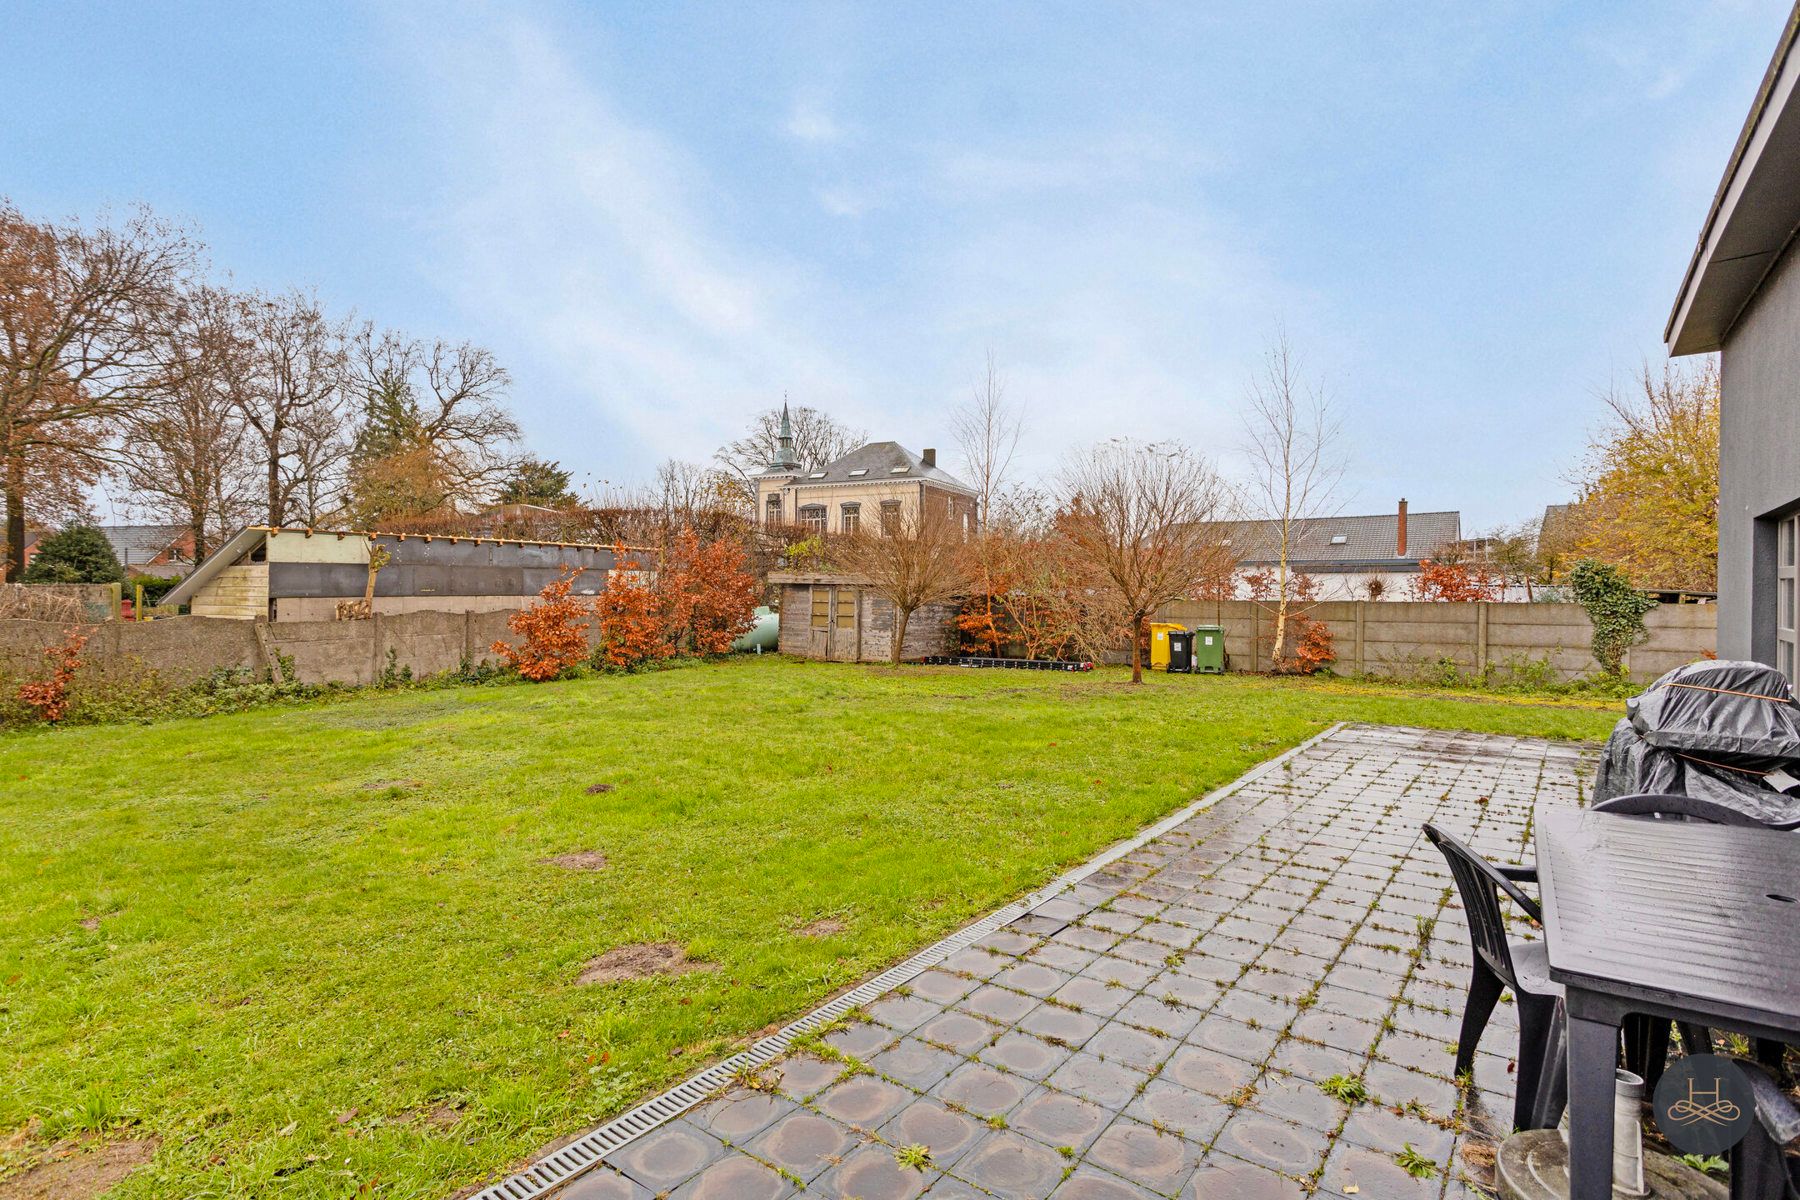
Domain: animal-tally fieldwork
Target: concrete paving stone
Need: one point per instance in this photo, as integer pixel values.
(1419, 1053)
(1389, 961)
(1298, 1101)
(1395, 1085)
(1336, 1031)
(1180, 937)
(1209, 1071)
(1007, 941)
(1111, 921)
(1199, 994)
(1012, 1167)
(872, 1173)
(1037, 925)
(1091, 1183)
(1117, 971)
(1388, 1132)
(1313, 1063)
(1060, 908)
(1137, 950)
(1163, 1012)
(1060, 1120)
(948, 1134)
(1362, 979)
(864, 1102)
(666, 1157)
(1064, 1026)
(998, 1004)
(1194, 1115)
(915, 1063)
(1375, 1174)
(1158, 1160)
(604, 1183)
(1282, 985)
(1138, 905)
(942, 987)
(1219, 945)
(1259, 933)
(1060, 957)
(1234, 1038)
(735, 1178)
(740, 1114)
(1134, 1048)
(1108, 1084)
(982, 1090)
(860, 1039)
(801, 1075)
(1273, 1143)
(975, 963)
(1360, 1005)
(1322, 945)
(1252, 1007)
(948, 1187)
(1032, 979)
(903, 1014)
(1221, 1177)
(1022, 1054)
(804, 1143)
(961, 1032)
(1082, 937)
(1202, 963)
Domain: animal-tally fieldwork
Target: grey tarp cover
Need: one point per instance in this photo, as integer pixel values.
(1712, 730)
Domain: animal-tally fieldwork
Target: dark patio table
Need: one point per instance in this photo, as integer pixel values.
(1691, 922)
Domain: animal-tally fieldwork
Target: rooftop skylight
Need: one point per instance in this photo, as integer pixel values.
(900, 470)
(817, 475)
(1339, 539)
(859, 472)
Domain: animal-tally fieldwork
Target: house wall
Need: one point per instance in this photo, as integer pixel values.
(1759, 471)
(869, 495)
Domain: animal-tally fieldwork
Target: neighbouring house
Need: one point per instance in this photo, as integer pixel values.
(1371, 557)
(873, 488)
(271, 574)
(879, 488)
(1741, 298)
(152, 549)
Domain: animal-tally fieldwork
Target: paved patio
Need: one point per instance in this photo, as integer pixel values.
(1163, 1027)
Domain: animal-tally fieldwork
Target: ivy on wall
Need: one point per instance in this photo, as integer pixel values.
(1614, 606)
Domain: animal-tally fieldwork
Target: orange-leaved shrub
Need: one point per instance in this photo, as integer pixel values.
(49, 697)
(1452, 581)
(632, 614)
(711, 594)
(554, 630)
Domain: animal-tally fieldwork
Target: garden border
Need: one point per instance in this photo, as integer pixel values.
(590, 1149)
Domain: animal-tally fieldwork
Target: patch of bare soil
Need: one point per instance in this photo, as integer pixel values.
(640, 961)
(595, 789)
(822, 928)
(578, 860)
(76, 1170)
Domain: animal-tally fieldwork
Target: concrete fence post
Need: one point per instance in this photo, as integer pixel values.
(1362, 659)
(374, 647)
(1481, 637)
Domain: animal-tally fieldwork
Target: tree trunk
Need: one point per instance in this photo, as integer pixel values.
(275, 474)
(1137, 647)
(901, 615)
(15, 519)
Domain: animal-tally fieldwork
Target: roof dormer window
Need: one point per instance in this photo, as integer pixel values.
(859, 472)
(817, 475)
(900, 470)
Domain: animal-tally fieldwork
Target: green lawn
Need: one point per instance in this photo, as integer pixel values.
(329, 959)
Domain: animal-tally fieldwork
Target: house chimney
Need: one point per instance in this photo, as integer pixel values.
(1400, 536)
(930, 457)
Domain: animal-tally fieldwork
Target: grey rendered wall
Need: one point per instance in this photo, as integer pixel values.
(1759, 459)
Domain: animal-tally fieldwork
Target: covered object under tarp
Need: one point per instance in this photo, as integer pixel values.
(1728, 732)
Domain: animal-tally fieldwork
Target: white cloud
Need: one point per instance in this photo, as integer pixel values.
(809, 122)
(575, 235)
(845, 201)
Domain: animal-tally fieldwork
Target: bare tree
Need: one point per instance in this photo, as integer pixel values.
(294, 406)
(987, 428)
(1146, 520)
(79, 309)
(185, 454)
(1292, 437)
(920, 560)
(818, 439)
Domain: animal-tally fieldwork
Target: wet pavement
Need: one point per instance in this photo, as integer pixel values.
(1261, 1003)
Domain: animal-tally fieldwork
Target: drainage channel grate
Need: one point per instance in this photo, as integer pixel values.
(589, 1150)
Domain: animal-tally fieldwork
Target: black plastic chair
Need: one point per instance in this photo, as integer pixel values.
(1500, 964)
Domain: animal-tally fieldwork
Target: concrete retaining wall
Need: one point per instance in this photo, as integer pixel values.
(1403, 639)
(184, 650)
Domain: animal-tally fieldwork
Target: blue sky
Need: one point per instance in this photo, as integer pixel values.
(1468, 218)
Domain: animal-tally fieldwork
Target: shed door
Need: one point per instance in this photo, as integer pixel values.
(846, 640)
(818, 625)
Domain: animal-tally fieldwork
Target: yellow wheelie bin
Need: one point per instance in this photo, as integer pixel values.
(1159, 643)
